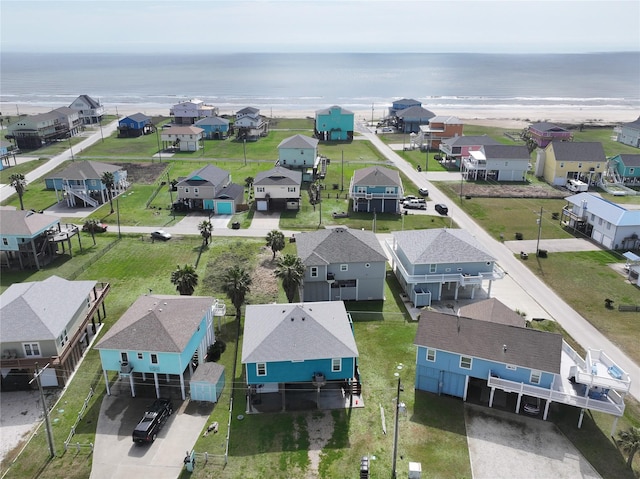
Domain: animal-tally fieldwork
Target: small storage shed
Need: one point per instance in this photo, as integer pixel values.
(207, 382)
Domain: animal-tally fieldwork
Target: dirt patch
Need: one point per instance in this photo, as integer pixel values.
(483, 190)
(320, 429)
(144, 173)
(263, 281)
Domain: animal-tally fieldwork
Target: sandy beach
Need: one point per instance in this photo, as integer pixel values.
(503, 117)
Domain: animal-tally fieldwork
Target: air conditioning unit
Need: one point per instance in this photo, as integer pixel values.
(125, 367)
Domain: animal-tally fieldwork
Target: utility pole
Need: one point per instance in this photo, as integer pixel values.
(36, 377)
(539, 221)
(342, 174)
(395, 433)
(372, 115)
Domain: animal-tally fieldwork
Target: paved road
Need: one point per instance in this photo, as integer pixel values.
(527, 282)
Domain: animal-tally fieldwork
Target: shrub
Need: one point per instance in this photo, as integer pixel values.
(215, 350)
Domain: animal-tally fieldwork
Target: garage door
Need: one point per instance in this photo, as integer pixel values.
(262, 205)
(48, 378)
(224, 207)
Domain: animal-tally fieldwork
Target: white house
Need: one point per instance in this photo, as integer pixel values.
(277, 188)
(90, 110)
(497, 162)
(188, 112)
(186, 138)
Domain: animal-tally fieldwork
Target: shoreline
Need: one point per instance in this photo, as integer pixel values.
(502, 117)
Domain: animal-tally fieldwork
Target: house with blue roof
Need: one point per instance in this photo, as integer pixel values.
(135, 125)
(159, 338)
(630, 133)
(334, 124)
(441, 263)
(210, 189)
(376, 189)
(484, 351)
(214, 127)
(342, 264)
(294, 347)
(607, 223)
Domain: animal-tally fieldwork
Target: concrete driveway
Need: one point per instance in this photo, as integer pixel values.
(115, 454)
(509, 446)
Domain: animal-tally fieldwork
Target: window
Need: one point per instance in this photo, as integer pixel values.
(433, 268)
(511, 367)
(140, 356)
(31, 349)
(600, 221)
(186, 190)
(431, 354)
(63, 338)
(608, 225)
(390, 190)
(361, 189)
(631, 171)
(344, 267)
(579, 165)
(261, 369)
(314, 272)
(336, 365)
(291, 189)
(562, 164)
(154, 358)
(260, 189)
(124, 357)
(535, 377)
(196, 190)
(465, 362)
(5, 241)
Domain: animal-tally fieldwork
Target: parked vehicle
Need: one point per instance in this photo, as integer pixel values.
(577, 185)
(92, 226)
(154, 418)
(416, 204)
(531, 405)
(423, 192)
(442, 209)
(161, 235)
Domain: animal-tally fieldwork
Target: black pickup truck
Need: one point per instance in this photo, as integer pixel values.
(152, 421)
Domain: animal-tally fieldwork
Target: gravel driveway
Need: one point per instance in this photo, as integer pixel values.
(509, 446)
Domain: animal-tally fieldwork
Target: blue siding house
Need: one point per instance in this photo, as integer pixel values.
(286, 346)
(436, 264)
(626, 168)
(376, 189)
(629, 133)
(300, 152)
(334, 124)
(215, 128)
(159, 337)
(135, 125)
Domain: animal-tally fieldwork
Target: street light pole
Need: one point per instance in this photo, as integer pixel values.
(539, 221)
(395, 433)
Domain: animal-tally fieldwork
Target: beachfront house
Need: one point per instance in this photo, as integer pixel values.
(209, 189)
(90, 110)
(159, 340)
(188, 112)
(439, 128)
(183, 138)
(625, 168)
(402, 104)
(439, 264)
(410, 119)
(250, 124)
(571, 160)
(47, 322)
(342, 264)
(80, 183)
(277, 188)
(69, 118)
(607, 223)
(214, 127)
(497, 163)
(376, 189)
(629, 133)
(543, 133)
(300, 152)
(291, 351)
(135, 125)
(486, 354)
(334, 124)
(460, 146)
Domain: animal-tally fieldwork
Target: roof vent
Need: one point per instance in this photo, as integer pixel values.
(504, 348)
(303, 318)
(292, 319)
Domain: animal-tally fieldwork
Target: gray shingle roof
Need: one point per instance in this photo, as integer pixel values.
(230, 191)
(339, 245)
(630, 159)
(415, 112)
(587, 151)
(278, 176)
(296, 332)
(157, 323)
(298, 141)
(439, 246)
(525, 347)
(515, 152)
(208, 173)
(212, 120)
(138, 117)
(544, 126)
(208, 372)
(494, 311)
(25, 223)
(85, 170)
(634, 125)
(40, 310)
(376, 176)
(470, 140)
(327, 111)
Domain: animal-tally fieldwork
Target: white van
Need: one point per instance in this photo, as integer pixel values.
(577, 185)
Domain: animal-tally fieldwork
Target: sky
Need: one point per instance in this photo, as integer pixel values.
(231, 26)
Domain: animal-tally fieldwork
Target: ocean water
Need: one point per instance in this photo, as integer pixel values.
(610, 81)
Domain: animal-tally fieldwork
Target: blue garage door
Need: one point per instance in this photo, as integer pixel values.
(224, 207)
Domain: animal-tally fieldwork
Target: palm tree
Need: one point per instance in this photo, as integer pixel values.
(205, 227)
(185, 279)
(629, 441)
(236, 283)
(275, 241)
(19, 183)
(291, 271)
(109, 182)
